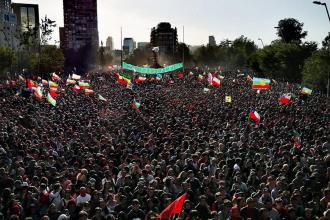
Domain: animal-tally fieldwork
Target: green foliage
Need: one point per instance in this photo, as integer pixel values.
(47, 29)
(232, 54)
(316, 69)
(7, 59)
(51, 60)
(326, 41)
(282, 60)
(290, 30)
(140, 57)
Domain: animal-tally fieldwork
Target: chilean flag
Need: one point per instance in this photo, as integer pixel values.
(216, 82)
(255, 116)
(285, 99)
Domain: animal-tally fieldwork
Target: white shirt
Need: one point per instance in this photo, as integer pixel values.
(83, 199)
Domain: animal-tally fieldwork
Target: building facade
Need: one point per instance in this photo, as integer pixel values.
(129, 45)
(80, 43)
(166, 38)
(109, 45)
(8, 25)
(212, 41)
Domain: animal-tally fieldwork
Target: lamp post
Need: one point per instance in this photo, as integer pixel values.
(326, 8)
(261, 42)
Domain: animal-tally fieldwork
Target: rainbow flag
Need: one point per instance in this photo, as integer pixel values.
(51, 100)
(44, 82)
(123, 80)
(260, 83)
(200, 77)
(52, 84)
(306, 91)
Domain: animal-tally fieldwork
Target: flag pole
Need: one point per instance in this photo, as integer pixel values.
(121, 47)
(183, 47)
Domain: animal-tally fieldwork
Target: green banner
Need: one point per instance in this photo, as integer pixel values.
(152, 70)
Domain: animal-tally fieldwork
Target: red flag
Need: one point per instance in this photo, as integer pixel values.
(180, 75)
(174, 208)
(285, 99)
(53, 93)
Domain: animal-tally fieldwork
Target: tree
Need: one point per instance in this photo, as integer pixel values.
(140, 57)
(51, 60)
(291, 30)
(326, 41)
(316, 69)
(188, 58)
(47, 29)
(283, 61)
(7, 58)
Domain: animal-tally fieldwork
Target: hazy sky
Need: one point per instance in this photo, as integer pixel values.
(200, 18)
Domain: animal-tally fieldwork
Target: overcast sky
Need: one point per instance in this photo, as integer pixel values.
(200, 18)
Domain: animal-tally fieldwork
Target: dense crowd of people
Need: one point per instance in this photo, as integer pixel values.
(87, 158)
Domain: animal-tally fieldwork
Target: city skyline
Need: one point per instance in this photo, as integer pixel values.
(214, 17)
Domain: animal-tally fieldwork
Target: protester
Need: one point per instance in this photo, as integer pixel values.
(88, 158)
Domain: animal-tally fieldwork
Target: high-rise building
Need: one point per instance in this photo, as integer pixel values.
(143, 45)
(212, 41)
(8, 25)
(81, 39)
(129, 45)
(109, 44)
(27, 17)
(165, 37)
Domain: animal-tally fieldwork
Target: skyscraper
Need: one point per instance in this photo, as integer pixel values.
(212, 41)
(129, 45)
(109, 44)
(80, 34)
(166, 38)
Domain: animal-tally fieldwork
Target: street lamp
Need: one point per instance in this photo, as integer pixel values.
(326, 8)
(261, 42)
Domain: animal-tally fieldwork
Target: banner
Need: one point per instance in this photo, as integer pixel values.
(152, 70)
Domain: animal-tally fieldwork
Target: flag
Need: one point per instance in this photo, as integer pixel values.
(228, 99)
(76, 88)
(88, 91)
(174, 208)
(255, 116)
(51, 100)
(180, 75)
(102, 98)
(216, 82)
(260, 83)
(38, 93)
(32, 84)
(52, 92)
(21, 78)
(249, 78)
(200, 77)
(306, 91)
(258, 92)
(209, 78)
(75, 76)
(70, 82)
(136, 105)
(206, 90)
(129, 86)
(285, 99)
(44, 82)
(123, 80)
(221, 77)
(55, 77)
(191, 74)
(140, 79)
(84, 85)
(52, 84)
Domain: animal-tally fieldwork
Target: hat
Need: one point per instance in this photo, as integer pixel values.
(135, 201)
(63, 217)
(248, 200)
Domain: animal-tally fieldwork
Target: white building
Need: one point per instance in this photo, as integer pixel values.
(8, 25)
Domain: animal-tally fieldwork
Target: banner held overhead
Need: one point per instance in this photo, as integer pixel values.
(144, 70)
